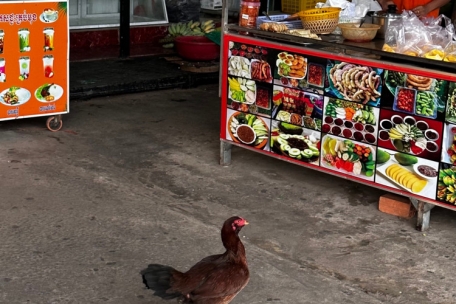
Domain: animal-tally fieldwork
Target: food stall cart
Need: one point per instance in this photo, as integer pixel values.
(34, 60)
(348, 109)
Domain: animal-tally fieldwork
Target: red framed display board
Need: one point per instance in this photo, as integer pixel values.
(387, 125)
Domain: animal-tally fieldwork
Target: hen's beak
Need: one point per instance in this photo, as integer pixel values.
(246, 223)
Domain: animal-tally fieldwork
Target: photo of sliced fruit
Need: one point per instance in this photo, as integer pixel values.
(349, 157)
(408, 138)
(242, 90)
(406, 172)
(406, 178)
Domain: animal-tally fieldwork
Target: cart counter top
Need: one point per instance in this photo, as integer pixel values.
(338, 45)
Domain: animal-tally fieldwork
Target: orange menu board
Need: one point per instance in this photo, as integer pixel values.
(33, 58)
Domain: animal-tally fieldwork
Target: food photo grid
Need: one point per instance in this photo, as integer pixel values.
(387, 127)
(248, 76)
(297, 107)
(300, 72)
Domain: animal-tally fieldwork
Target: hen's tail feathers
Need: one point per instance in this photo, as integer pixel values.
(157, 277)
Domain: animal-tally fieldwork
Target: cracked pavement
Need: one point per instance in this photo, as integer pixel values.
(134, 179)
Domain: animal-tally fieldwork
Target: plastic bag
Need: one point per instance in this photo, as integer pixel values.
(450, 52)
(393, 36)
(426, 37)
(442, 32)
(414, 36)
(183, 10)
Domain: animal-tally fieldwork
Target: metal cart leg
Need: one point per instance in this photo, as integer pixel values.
(225, 153)
(54, 123)
(423, 214)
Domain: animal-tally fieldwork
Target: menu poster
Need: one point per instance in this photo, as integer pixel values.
(249, 76)
(33, 58)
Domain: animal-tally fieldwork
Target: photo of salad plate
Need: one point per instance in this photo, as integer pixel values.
(14, 96)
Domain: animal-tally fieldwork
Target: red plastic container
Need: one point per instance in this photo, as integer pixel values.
(198, 48)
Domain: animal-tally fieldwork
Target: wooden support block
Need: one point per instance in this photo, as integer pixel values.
(396, 205)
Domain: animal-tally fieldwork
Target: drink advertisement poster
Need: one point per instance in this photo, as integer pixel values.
(34, 58)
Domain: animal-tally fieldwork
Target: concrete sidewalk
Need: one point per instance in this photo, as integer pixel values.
(89, 79)
(134, 179)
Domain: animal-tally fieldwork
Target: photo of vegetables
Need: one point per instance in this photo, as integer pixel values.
(348, 156)
(242, 90)
(350, 120)
(354, 82)
(446, 185)
(407, 172)
(295, 142)
(297, 107)
(449, 144)
(417, 95)
(410, 134)
(451, 103)
(248, 129)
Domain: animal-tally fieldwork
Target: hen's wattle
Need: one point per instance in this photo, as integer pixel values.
(216, 279)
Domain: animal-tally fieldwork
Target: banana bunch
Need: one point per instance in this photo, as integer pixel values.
(208, 26)
(192, 28)
(406, 132)
(446, 188)
(199, 29)
(179, 29)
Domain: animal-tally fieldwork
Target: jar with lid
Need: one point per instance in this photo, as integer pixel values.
(248, 13)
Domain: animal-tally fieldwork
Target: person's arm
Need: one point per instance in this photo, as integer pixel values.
(423, 10)
(384, 3)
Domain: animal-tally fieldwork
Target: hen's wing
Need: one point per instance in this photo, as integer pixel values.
(224, 281)
(186, 282)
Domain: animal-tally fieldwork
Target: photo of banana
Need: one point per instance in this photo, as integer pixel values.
(192, 28)
(406, 178)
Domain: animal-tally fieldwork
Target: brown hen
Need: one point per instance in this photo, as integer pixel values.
(216, 279)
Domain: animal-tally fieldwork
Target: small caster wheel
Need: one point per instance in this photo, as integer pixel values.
(54, 124)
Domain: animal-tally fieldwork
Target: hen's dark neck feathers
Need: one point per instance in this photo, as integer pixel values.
(232, 243)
